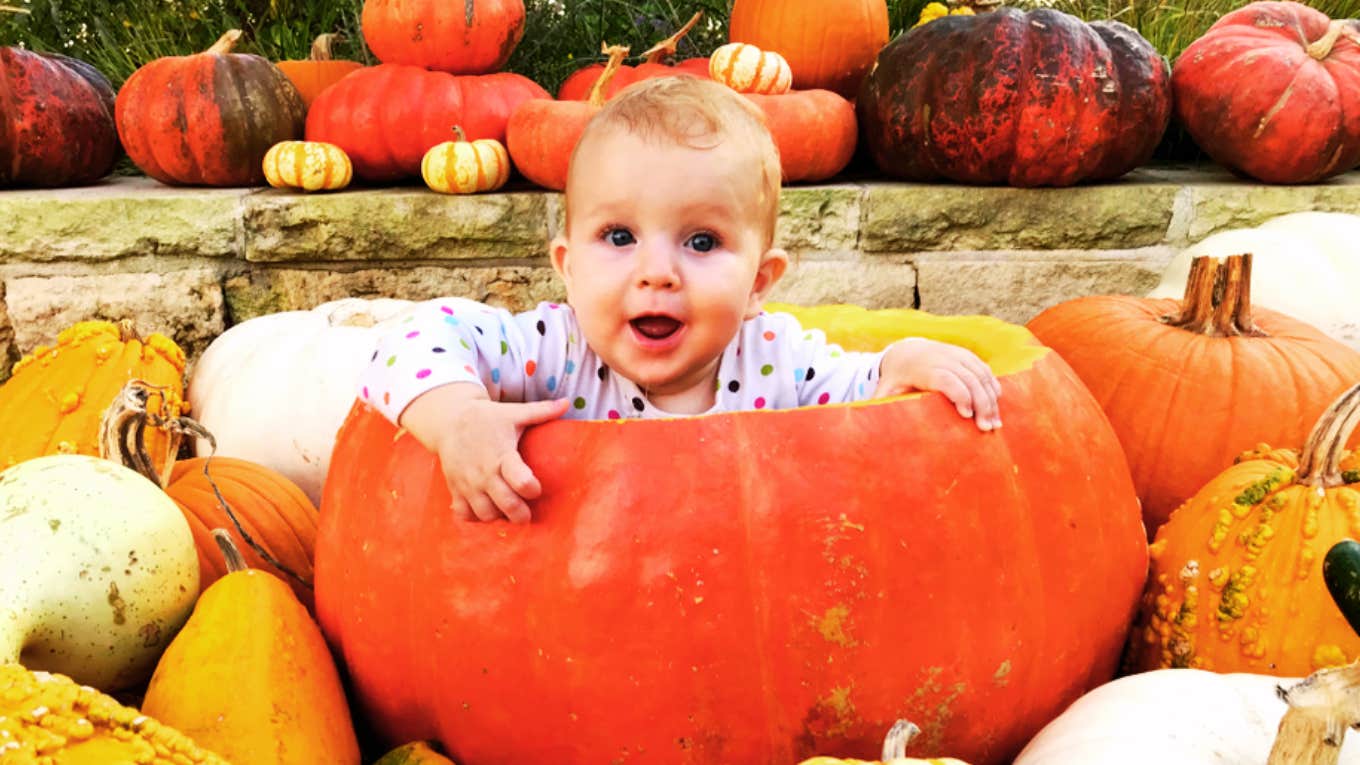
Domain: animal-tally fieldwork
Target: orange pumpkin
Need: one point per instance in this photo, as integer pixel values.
(57, 397)
(1236, 583)
(319, 71)
(578, 84)
(829, 44)
(1191, 384)
(815, 130)
(455, 36)
(542, 133)
(762, 567)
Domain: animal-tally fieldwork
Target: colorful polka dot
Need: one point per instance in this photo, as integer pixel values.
(571, 367)
(835, 354)
(446, 309)
(860, 390)
(437, 349)
(614, 414)
(825, 397)
(768, 335)
(554, 306)
(375, 356)
(810, 374)
(387, 398)
(452, 321)
(602, 372)
(541, 327)
(422, 374)
(798, 374)
(468, 368)
(495, 375)
(767, 369)
(479, 329)
(365, 391)
(391, 360)
(413, 333)
(552, 383)
(579, 403)
(464, 343)
(529, 367)
(505, 347)
(734, 386)
(760, 402)
(637, 403)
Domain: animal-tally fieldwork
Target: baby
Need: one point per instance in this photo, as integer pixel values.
(667, 256)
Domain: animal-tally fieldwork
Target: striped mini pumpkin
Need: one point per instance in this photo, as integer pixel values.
(307, 165)
(461, 166)
(748, 69)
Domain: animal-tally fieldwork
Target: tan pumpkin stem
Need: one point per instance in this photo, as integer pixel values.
(14, 9)
(122, 440)
(895, 743)
(226, 42)
(1322, 47)
(459, 134)
(127, 331)
(1217, 299)
(666, 47)
(1321, 708)
(1320, 463)
(616, 55)
(321, 46)
(232, 556)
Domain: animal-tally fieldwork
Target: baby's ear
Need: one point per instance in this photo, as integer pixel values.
(772, 266)
(557, 253)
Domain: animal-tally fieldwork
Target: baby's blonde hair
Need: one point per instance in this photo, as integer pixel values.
(699, 114)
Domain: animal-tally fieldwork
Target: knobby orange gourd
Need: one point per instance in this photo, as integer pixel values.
(761, 567)
(1191, 384)
(1236, 582)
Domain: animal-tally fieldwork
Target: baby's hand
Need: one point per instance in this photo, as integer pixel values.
(921, 364)
(477, 441)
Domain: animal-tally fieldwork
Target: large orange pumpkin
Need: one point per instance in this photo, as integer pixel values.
(1191, 384)
(1236, 583)
(750, 587)
(455, 36)
(318, 71)
(829, 44)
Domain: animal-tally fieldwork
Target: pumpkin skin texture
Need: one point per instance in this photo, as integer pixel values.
(1272, 91)
(209, 118)
(815, 130)
(1186, 402)
(386, 117)
(1236, 583)
(56, 121)
(1170, 716)
(57, 397)
(461, 166)
(81, 726)
(228, 681)
(762, 587)
(829, 44)
(748, 69)
(1035, 98)
(98, 573)
(455, 36)
(319, 71)
(308, 166)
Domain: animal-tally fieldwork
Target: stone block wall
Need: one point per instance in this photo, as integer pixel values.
(191, 262)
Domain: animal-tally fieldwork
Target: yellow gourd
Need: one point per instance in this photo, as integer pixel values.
(250, 675)
(894, 751)
(461, 166)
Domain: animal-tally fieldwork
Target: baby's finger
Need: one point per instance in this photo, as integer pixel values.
(984, 372)
(535, 412)
(508, 502)
(982, 402)
(483, 508)
(955, 389)
(461, 509)
(519, 477)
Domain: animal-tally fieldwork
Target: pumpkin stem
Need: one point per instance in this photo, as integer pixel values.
(666, 47)
(1322, 47)
(1321, 708)
(616, 55)
(459, 134)
(321, 46)
(895, 743)
(127, 331)
(1320, 463)
(1217, 298)
(122, 440)
(229, 551)
(226, 42)
(14, 9)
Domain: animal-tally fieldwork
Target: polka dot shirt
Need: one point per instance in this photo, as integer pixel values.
(772, 363)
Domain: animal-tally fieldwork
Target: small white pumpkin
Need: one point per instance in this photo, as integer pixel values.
(275, 389)
(98, 570)
(1171, 716)
(748, 69)
(1306, 265)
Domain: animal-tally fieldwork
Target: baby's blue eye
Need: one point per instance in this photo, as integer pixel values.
(703, 242)
(619, 237)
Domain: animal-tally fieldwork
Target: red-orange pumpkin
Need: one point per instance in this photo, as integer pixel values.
(829, 44)
(209, 118)
(455, 36)
(578, 84)
(1191, 384)
(751, 587)
(1272, 91)
(386, 117)
(56, 120)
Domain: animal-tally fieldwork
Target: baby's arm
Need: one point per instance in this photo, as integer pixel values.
(917, 364)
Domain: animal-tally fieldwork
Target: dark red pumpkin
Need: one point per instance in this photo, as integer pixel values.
(386, 117)
(1037, 98)
(455, 36)
(209, 118)
(578, 84)
(748, 588)
(56, 120)
(1272, 91)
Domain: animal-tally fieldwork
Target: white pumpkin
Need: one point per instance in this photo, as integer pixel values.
(98, 570)
(1306, 265)
(275, 389)
(1173, 716)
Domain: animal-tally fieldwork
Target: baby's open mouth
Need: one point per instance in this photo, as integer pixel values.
(656, 327)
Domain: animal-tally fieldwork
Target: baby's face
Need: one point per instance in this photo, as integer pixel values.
(664, 256)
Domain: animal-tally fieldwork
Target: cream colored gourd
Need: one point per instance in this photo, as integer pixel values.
(275, 389)
(1170, 716)
(748, 69)
(1306, 265)
(98, 570)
